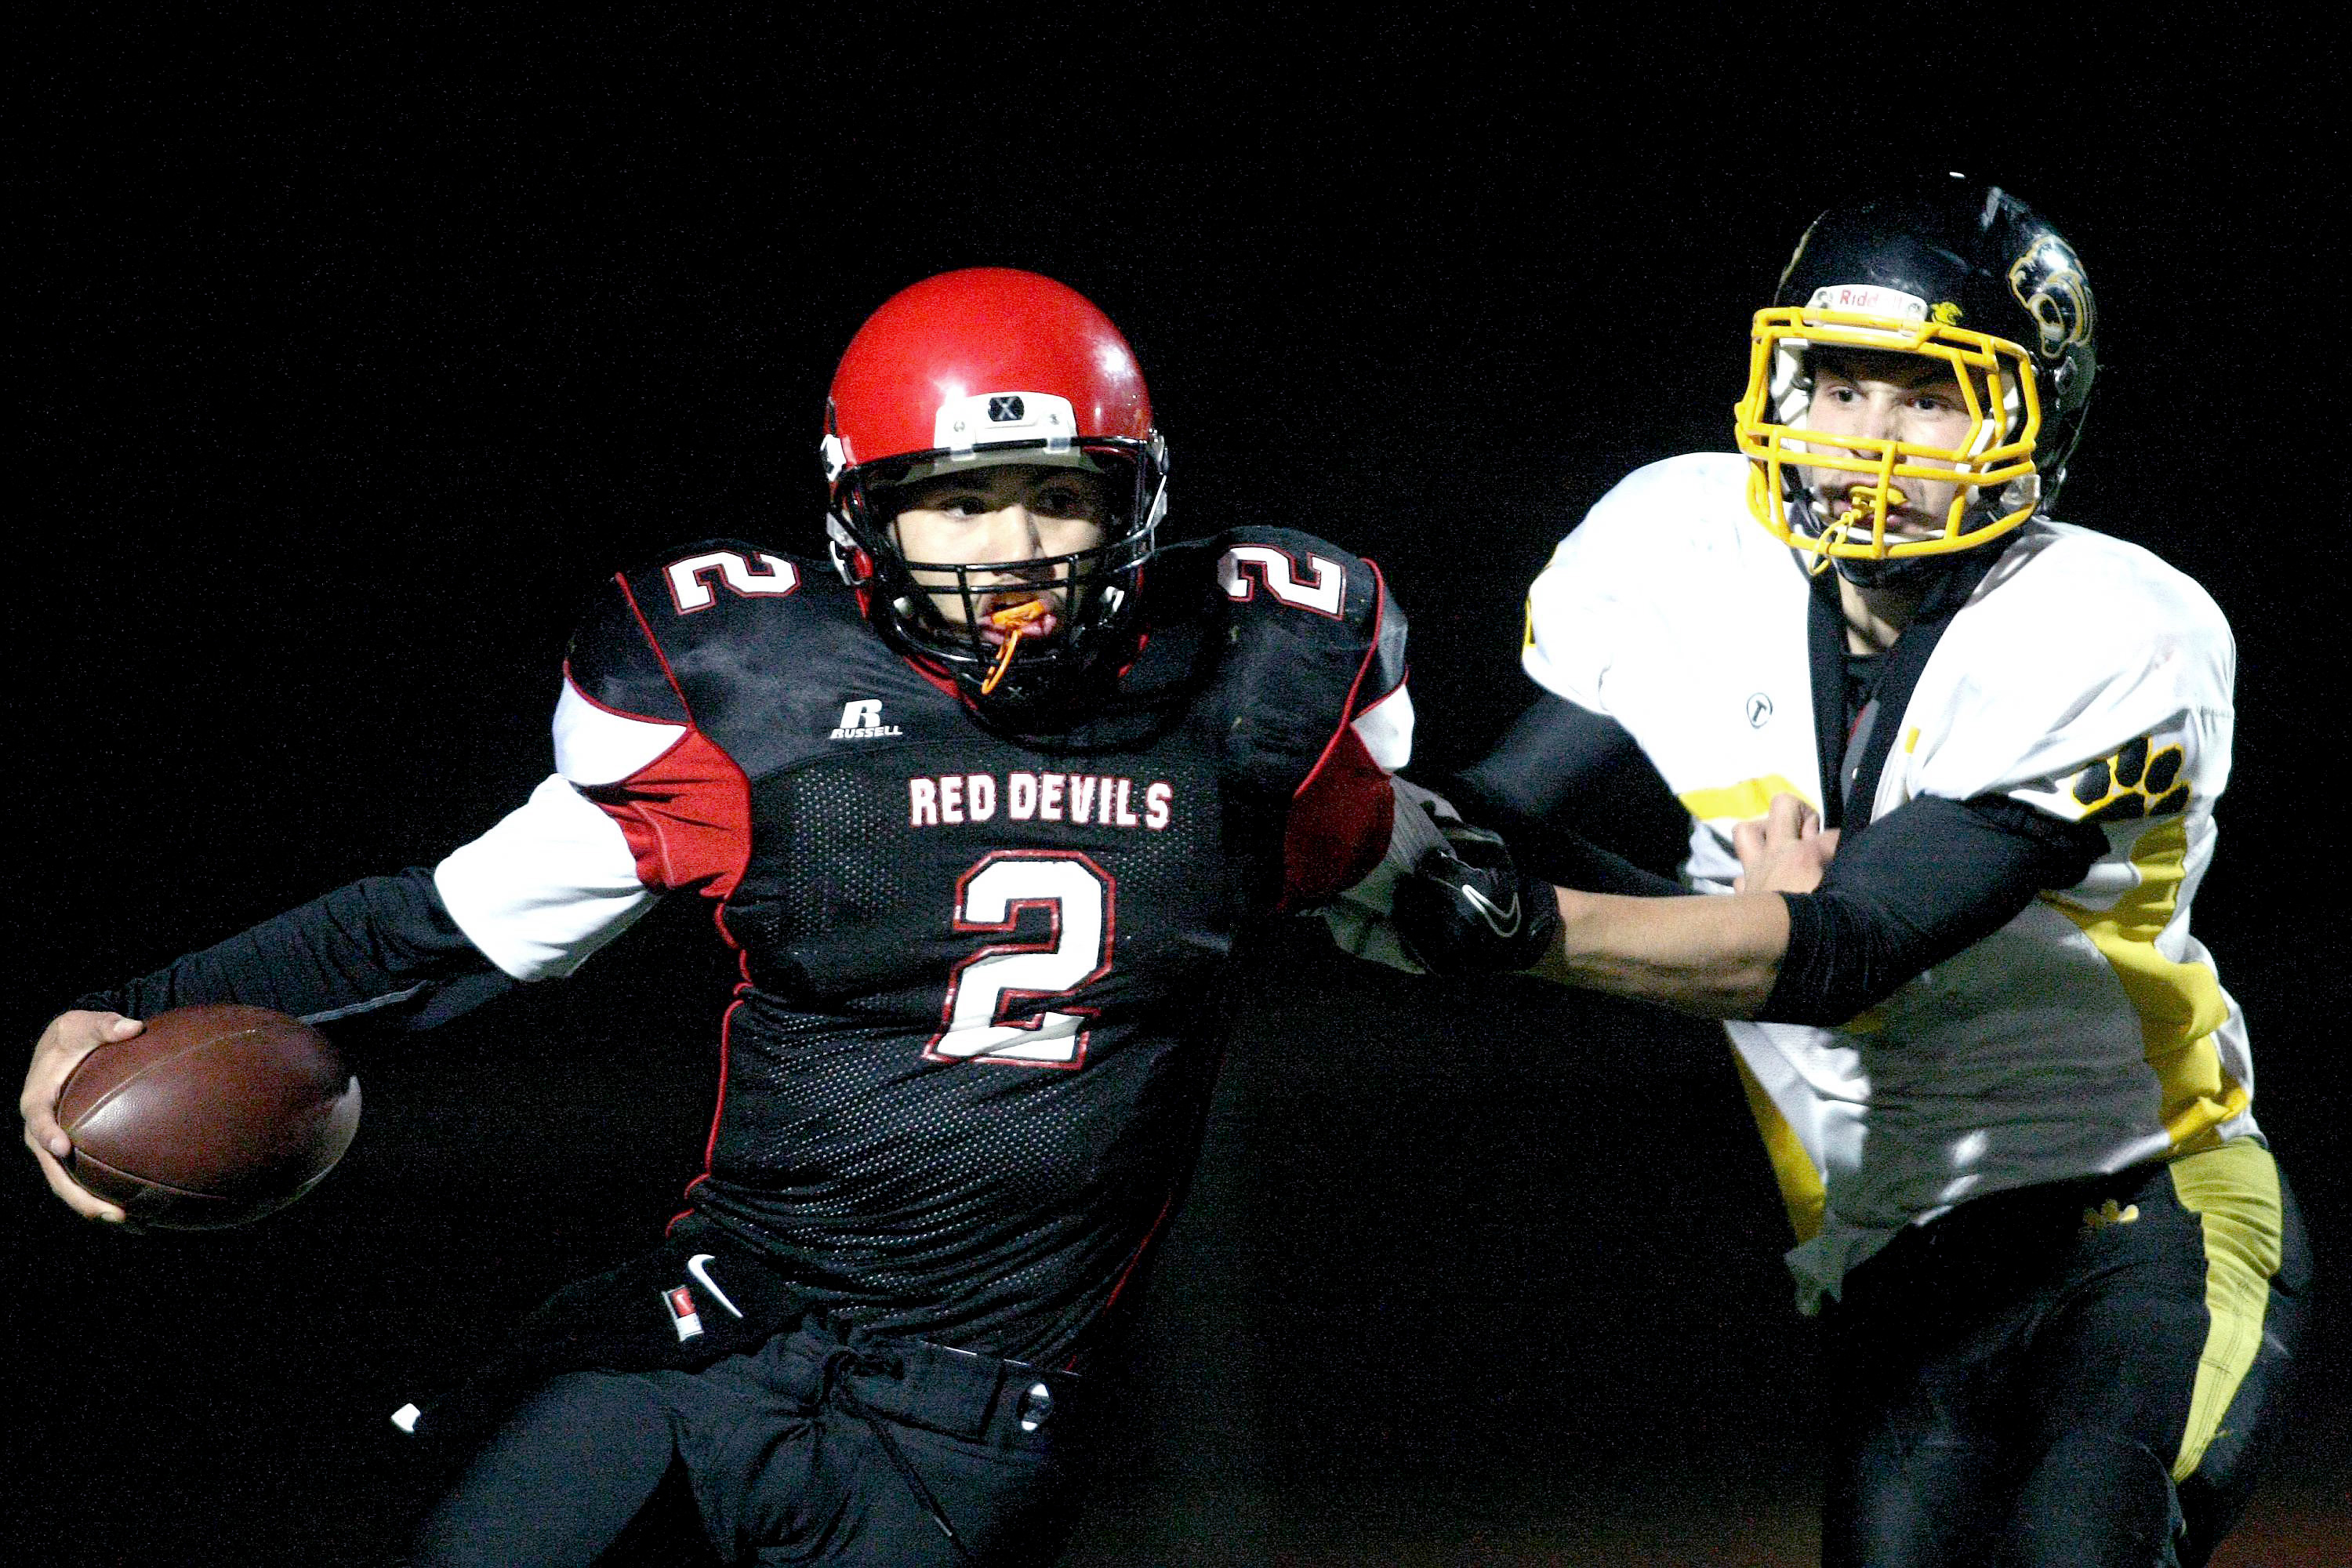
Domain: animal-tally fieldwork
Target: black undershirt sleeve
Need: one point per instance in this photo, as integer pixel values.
(1918, 886)
(383, 946)
(1554, 754)
(1914, 888)
(1561, 763)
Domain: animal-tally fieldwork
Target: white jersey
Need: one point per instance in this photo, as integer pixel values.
(2083, 677)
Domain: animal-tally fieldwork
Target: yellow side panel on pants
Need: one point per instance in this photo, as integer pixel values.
(2234, 1191)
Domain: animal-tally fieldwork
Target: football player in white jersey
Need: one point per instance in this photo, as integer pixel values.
(1950, 767)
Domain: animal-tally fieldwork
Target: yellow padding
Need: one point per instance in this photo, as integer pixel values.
(2234, 1191)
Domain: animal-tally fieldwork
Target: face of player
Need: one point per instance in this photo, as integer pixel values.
(1891, 396)
(1003, 517)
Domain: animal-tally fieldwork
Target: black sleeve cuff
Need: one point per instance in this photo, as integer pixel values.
(1833, 969)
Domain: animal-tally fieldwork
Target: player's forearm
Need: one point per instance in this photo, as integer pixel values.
(1715, 956)
(382, 943)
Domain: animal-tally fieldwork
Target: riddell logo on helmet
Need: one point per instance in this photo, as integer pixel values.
(1869, 299)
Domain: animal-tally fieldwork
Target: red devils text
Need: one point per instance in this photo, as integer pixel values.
(1097, 798)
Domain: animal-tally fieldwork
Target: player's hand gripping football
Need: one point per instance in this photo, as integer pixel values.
(69, 1037)
(1466, 909)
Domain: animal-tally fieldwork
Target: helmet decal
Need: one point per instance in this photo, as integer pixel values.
(1869, 299)
(2049, 282)
(962, 422)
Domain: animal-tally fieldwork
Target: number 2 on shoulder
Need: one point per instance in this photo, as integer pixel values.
(1317, 585)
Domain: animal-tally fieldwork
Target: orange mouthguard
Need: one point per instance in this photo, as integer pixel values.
(1014, 621)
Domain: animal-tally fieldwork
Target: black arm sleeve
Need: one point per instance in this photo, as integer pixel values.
(1563, 771)
(1553, 753)
(1918, 886)
(383, 945)
(1568, 860)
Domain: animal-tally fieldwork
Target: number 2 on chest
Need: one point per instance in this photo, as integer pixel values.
(1077, 895)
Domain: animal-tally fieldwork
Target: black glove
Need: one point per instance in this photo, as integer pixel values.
(1466, 908)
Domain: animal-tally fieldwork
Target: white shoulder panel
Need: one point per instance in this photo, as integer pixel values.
(1637, 562)
(2038, 677)
(595, 745)
(547, 887)
(1386, 729)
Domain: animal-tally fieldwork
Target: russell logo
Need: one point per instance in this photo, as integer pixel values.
(862, 720)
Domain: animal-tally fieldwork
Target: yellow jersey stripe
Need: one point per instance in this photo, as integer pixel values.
(2180, 1005)
(1801, 1181)
(1749, 797)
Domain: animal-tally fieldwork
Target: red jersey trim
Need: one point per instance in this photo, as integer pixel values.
(1342, 814)
(687, 814)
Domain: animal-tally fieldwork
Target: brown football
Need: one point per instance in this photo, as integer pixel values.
(214, 1116)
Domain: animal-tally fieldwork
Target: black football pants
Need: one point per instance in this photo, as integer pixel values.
(815, 1449)
(2017, 1382)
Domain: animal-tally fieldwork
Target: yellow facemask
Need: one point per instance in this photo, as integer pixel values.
(1994, 468)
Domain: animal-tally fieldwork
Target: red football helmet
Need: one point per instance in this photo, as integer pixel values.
(971, 369)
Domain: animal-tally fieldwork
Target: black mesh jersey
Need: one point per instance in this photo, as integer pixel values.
(964, 1074)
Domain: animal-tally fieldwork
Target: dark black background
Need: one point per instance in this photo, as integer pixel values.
(349, 354)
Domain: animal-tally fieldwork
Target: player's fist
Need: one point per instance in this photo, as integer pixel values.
(69, 1037)
(1465, 908)
(1786, 850)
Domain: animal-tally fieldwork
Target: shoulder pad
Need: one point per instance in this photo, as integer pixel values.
(613, 661)
(1284, 578)
(1278, 569)
(701, 584)
(1315, 643)
(626, 651)
(1307, 590)
(2051, 692)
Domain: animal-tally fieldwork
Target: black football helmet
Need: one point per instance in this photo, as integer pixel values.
(1962, 273)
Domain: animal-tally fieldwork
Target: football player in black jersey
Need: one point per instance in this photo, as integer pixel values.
(980, 870)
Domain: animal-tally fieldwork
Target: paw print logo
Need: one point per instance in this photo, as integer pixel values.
(2137, 781)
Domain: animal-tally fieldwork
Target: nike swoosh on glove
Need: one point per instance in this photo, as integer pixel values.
(1467, 908)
